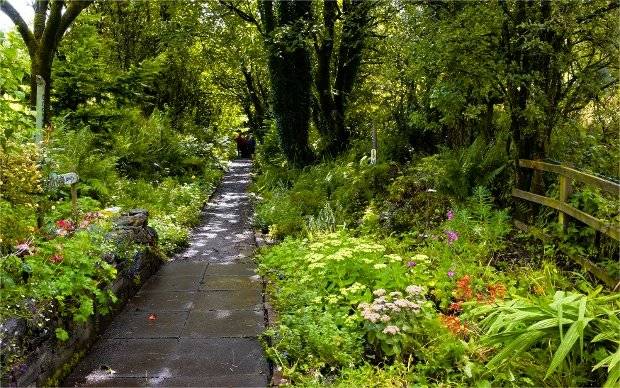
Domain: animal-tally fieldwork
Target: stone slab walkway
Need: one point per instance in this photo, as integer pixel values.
(196, 322)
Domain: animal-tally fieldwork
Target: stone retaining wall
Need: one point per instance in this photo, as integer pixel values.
(49, 359)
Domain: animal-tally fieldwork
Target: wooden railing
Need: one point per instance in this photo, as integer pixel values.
(568, 174)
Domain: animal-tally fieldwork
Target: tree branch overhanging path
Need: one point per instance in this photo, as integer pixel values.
(52, 19)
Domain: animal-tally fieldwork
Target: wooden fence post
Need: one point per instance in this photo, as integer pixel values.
(565, 188)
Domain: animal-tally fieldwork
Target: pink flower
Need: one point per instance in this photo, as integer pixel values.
(451, 273)
(411, 264)
(89, 218)
(379, 292)
(57, 258)
(371, 316)
(414, 289)
(24, 249)
(391, 330)
(452, 236)
(450, 215)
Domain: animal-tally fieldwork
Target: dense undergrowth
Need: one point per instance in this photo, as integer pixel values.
(55, 263)
(384, 276)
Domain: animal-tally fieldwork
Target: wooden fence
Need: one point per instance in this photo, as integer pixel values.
(567, 175)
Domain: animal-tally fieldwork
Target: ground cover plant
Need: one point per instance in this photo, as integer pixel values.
(438, 306)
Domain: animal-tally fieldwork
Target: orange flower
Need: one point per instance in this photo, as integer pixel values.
(497, 291)
(463, 288)
(454, 324)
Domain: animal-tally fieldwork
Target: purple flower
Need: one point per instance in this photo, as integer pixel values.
(452, 236)
(411, 264)
(451, 273)
(450, 214)
(24, 249)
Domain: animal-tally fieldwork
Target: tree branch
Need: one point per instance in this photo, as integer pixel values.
(610, 7)
(22, 27)
(242, 14)
(51, 27)
(72, 12)
(40, 15)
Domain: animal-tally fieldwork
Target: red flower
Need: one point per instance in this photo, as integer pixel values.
(65, 224)
(57, 258)
(456, 306)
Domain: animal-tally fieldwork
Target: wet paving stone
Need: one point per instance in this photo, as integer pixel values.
(213, 283)
(237, 380)
(231, 269)
(221, 300)
(107, 379)
(157, 301)
(126, 358)
(184, 268)
(171, 283)
(208, 310)
(160, 324)
(221, 356)
(224, 323)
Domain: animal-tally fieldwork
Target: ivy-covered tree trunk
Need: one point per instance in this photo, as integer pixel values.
(528, 139)
(255, 109)
(291, 77)
(335, 77)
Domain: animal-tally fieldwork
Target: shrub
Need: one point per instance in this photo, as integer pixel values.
(68, 271)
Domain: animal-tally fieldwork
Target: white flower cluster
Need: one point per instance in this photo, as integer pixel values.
(384, 305)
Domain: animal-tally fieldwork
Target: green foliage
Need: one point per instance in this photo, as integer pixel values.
(15, 115)
(477, 165)
(569, 325)
(62, 334)
(334, 288)
(67, 271)
(319, 197)
(77, 151)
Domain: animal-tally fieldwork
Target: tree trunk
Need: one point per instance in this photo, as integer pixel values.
(332, 99)
(291, 78)
(258, 115)
(41, 64)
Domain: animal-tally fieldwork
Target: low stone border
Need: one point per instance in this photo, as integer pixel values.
(51, 360)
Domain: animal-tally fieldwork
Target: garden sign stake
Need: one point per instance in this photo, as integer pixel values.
(373, 151)
(38, 137)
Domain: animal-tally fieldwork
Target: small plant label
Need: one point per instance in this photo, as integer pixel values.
(57, 180)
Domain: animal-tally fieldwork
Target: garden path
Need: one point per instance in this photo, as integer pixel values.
(196, 322)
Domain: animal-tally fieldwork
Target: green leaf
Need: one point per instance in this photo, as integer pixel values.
(522, 342)
(62, 334)
(574, 333)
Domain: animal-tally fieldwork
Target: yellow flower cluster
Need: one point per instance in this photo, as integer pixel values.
(20, 176)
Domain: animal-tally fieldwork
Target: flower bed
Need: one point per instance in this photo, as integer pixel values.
(96, 272)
